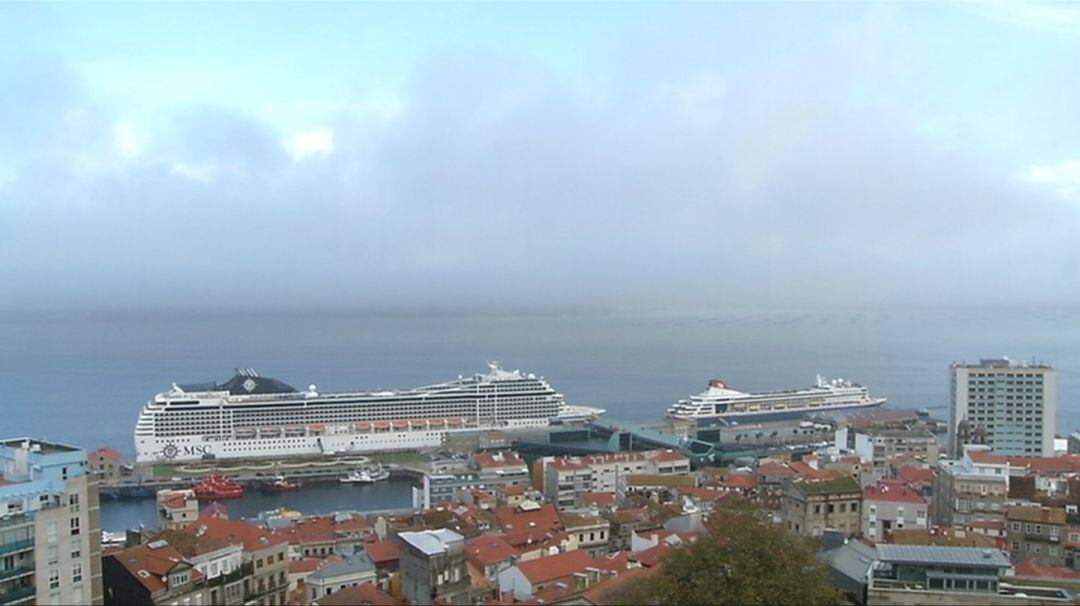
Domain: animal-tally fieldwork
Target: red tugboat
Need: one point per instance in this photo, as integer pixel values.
(280, 484)
(216, 486)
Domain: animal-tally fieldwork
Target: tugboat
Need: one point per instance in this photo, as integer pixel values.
(217, 486)
(280, 484)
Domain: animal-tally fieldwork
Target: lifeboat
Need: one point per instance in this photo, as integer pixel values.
(363, 426)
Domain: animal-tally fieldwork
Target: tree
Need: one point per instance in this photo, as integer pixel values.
(744, 560)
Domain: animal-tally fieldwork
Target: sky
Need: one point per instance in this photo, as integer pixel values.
(665, 156)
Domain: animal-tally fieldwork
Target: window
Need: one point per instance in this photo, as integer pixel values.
(76, 549)
(54, 579)
(74, 524)
(52, 555)
(73, 502)
(76, 573)
(50, 530)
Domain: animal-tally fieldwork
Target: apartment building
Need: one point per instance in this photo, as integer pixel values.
(892, 505)
(50, 535)
(973, 488)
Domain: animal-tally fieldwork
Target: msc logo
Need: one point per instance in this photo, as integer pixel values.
(171, 451)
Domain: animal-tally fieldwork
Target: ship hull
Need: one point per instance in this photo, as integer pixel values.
(200, 448)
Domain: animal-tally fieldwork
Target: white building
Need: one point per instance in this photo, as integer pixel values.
(1008, 405)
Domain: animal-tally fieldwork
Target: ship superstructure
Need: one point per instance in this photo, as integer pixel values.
(250, 416)
(720, 403)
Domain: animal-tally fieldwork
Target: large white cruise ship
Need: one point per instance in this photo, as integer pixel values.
(250, 416)
(720, 403)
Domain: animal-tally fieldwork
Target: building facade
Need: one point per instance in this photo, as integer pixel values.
(1036, 533)
(433, 567)
(50, 535)
(811, 506)
(1008, 405)
(892, 505)
(973, 488)
(176, 508)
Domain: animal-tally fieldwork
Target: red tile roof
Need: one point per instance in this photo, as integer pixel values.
(914, 475)
(489, 460)
(982, 456)
(354, 523)
(178, 500)
(513, 490)
(304, 566)
(775, 469)
(1027, 568)
(551, 568)
(488, 549)
(250, 536)
(741, 482)
(987, 524)
(667, 456)
(606, 592)
(364, 594)
(892, 491)
(806, 471)
(382, 552)
(512, 519)
(105, 452)
(565, 465)
(617, 562)
(651, 557)
(154, 563)
(704, 493)
(600, 499)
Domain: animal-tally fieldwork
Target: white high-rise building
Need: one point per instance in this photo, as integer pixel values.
(1007, 405)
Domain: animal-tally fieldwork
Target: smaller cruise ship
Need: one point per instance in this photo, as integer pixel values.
(722, 404)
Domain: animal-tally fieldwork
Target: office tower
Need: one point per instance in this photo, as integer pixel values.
(1005, 404)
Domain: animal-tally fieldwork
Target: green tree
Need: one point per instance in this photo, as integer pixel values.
(744, 560)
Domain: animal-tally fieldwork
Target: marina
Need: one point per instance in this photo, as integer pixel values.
(394, 494)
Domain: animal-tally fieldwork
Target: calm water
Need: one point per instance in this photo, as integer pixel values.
(83, 379)
(395, 493)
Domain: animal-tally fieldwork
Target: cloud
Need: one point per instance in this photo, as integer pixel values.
(1061, 17)
(491, 180)
(1062, 178)
(128, 142)
(307, 143)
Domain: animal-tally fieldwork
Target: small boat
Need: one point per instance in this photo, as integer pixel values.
(280, 484)
(217, 486)
(366, 476)
(923, 412)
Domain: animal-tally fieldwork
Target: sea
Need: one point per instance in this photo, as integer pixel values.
(81, 378)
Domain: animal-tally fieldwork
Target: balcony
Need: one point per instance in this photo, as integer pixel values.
(15, 573)
(17, 546)
(19, 595)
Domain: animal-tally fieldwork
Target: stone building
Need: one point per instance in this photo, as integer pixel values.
(809, 507)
